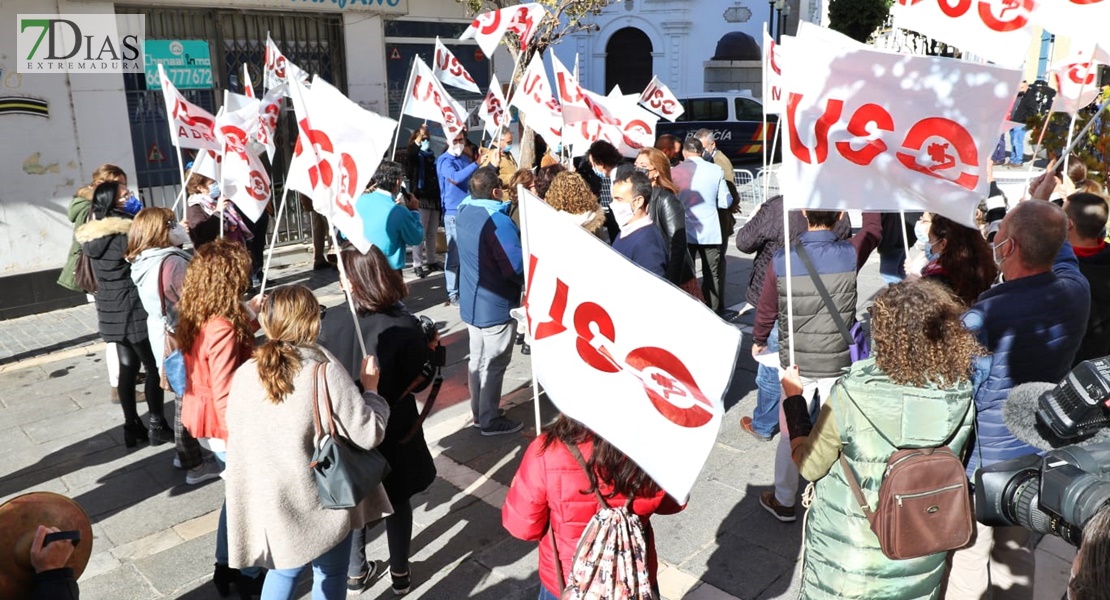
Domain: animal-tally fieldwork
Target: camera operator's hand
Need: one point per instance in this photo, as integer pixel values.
(52, 556)
(369, 374)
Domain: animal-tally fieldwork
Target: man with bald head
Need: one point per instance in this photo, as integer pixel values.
(1031, 326)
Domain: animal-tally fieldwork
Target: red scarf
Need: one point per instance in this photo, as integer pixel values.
(1088, 252)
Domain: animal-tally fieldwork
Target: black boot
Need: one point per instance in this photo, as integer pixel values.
(222, 578)
(133, 433)
(160, 431)
(250, 587)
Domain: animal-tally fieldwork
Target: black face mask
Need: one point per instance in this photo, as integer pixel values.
(707, 156)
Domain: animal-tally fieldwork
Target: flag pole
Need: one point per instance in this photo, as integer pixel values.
(525, 247)
(173, 136)
(786, 241)
(273, 237)
(774, 146)
(508, 99)
(401, 116)
(1071, 127)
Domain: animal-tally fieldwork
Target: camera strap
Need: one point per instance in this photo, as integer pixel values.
(433, 393)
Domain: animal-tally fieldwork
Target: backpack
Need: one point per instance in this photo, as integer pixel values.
(610, 562)
(924, 503)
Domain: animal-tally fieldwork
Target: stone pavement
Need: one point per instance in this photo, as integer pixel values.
(154, 535)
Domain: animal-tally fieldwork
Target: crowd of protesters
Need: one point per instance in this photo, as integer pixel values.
(949, 341)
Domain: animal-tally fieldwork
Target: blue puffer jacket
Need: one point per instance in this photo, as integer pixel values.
(1032, 327)
(491, 263)
(454, 180)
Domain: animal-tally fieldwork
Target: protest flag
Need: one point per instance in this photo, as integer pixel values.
(489, 27)
(449, 71)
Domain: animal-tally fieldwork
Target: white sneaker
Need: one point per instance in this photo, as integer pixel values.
(207, 470)
(176, 461)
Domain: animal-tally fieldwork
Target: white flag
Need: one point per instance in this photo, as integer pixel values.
(773, 96)
(659, 99)
(248, 87)
(488, 28)
(492, 111)
(872, 130)
(428, 100)
(533, 96)
(575, 102)
(997, 30)
(448, 70)
(653, 391)
(190, 125)
(340, 145)
(244, 178)
(268, 115)
(629, 128)
(1075, 79)
(278, 69)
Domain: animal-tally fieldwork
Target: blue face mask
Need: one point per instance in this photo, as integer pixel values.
(425, 145)
(214, 190)
(600, 173)
(131, 205)
(929, 254)
(921, 231)
(507, 148)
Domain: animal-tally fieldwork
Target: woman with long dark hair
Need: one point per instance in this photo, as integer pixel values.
(958, 257)
(669, 215)
(119, 310)
(914, 392)
(405, 353)
(552, 495)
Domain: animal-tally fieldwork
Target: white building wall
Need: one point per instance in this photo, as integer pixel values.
(684, 34)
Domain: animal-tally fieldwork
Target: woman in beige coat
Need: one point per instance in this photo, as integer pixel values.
(274, 515)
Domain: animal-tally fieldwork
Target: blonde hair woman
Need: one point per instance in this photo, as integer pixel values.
(275, 519)
(669, 215)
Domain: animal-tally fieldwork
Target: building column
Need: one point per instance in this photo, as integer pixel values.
(680, 80)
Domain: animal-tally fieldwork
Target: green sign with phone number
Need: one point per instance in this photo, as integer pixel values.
(187, 63)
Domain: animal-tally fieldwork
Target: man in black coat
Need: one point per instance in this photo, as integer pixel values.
(1087, 215)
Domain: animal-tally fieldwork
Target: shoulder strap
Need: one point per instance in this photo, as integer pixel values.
(825, 297)
(161, 289)
(316, 400)
(856, 491)
(577, 454)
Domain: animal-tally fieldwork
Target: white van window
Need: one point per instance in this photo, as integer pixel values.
(704, 109)
(748, 110)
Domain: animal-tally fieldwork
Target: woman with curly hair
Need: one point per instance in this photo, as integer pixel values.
(958, 257)
(570, 194)
(215, 332)
(914, 392)
(523, 177)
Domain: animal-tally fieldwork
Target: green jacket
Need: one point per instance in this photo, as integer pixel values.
(78, 213)
(867, 417)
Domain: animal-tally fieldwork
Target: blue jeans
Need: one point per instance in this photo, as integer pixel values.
(329, 576)
(451, 264)
(221, 531)
(892, 265)
(765, 416)
(1017, 145)
(546, 595)
(999, 154)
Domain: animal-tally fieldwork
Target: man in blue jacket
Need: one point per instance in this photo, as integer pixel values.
(390, 224)
(1031, 326)
(453, 168)
(491, 274)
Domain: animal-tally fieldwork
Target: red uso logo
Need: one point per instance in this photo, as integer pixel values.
(659, 101)
(1087, 77)
(773, 57)
(667, 382)
(487, 23)
(348, 177)
(1013, 15)
(494, 109)
(450, 64)
(943, 164)
(522, 24)
(259, 186)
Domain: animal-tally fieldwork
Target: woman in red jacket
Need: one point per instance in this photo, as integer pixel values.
(551, 495)
(215, 332)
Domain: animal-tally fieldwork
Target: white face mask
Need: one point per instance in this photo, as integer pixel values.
(455, 149)
(178, 235)
(622, 213)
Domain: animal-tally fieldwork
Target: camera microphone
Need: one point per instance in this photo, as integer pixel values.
(1019, 413)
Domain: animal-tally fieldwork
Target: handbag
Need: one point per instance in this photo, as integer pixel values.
(83, 275)
(345, 474)
(172, 376)
(858, 346)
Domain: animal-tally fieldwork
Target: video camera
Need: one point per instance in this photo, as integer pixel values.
(1076, 407)
(1057, 493)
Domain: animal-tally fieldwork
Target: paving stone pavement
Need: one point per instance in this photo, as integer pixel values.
(154, 535)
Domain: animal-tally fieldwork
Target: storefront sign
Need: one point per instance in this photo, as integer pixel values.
(187, 63)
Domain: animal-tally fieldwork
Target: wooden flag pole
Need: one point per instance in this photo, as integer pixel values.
(273, 237)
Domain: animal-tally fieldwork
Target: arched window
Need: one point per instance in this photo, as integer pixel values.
(628, 61)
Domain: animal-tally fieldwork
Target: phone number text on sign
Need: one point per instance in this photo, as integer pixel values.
(187, 63)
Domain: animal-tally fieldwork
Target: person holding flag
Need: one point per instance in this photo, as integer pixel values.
(454, 170)
(500, 157)
(207, 207)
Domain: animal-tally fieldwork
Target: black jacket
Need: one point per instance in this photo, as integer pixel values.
(119, 311)
(670, 217)
(893, 227)
(56, 584)
(762, 235)
(426, 188)
(396, 339)
(1096, 340)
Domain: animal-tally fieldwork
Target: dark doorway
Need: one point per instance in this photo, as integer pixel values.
(628, 61)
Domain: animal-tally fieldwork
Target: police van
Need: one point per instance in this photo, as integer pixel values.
(735, 118)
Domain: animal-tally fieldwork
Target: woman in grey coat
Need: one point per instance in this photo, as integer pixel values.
(275, 519)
